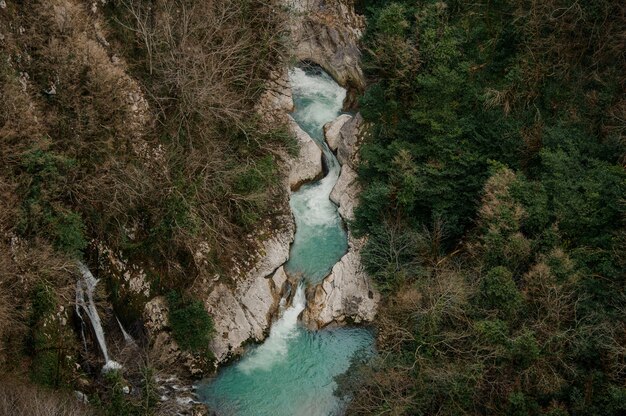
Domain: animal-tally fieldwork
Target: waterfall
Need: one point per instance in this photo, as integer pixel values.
(85, 286)
(276, 347)
(127, 338)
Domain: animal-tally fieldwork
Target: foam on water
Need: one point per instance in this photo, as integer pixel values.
(276, 347)
(325, 98)
(300, 381)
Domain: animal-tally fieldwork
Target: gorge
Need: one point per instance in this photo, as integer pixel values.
(292, 372)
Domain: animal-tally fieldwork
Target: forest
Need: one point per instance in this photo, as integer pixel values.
(494, 207)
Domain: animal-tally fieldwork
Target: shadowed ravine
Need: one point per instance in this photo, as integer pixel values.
(293, 372)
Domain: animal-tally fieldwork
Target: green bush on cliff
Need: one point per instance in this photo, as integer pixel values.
(192, 327)
(50, 340)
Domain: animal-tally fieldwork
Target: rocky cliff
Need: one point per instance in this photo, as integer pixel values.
(326, 32)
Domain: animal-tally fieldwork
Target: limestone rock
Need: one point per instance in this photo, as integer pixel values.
(308, 165)
(279, 278)
(332, 130)
(155, 315)
(327, 33)
(232, 327)
(346, 294)
(244, 312)
(276, 101)
(349, 141)
(346, 192)
(274, 250)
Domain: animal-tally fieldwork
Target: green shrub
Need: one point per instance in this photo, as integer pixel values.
(50, 341)
(43, 209)
(192, 326)
(524, 350)
(68, 232)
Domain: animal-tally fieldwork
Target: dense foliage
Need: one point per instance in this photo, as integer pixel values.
(494, 204)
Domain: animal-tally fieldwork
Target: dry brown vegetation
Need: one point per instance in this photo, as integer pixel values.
(140, 116)
(19, 398)
(129, 124)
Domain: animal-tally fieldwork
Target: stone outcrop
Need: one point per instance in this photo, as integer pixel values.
(308, 165)
(274, 106)
(346, 192)
(350, 138)
(165, 352)
(276, 101)
(332, 130)
(244, 312)
(346, 295)
(326, 32)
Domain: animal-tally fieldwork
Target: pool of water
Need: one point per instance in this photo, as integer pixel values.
(293, 372)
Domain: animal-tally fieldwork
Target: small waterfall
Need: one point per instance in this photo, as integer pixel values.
(276, 347)
(127, 338)
(85, 286)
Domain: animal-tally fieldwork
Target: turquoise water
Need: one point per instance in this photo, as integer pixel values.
(292, 373)
(320, 239)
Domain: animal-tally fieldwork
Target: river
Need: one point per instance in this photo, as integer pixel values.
(292, 372)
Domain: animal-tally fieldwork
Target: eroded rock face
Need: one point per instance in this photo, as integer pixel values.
(347, 294)
(245, 311)
(350, 138)
(276, 101)
(308, 165)
(165, 352)
(332, 130)
(326, 32)
(346, 192)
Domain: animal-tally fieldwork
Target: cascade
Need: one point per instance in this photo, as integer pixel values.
(320, 238)
(276, 346)
(85, 286)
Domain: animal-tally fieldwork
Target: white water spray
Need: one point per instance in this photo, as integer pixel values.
(85, 286)
(276, 347)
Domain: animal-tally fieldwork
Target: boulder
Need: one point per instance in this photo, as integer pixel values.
(308, 165)
(345, 193)
(350, 137)
(345, 295)
(332, 130)
(155, 315)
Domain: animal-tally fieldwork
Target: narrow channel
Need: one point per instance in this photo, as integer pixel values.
(292, 372)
